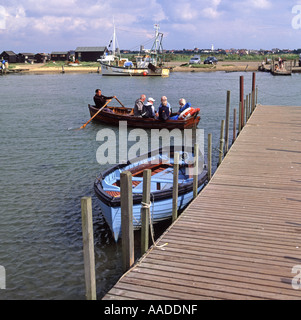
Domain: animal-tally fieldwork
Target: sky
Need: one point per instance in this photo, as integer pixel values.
(61, 25)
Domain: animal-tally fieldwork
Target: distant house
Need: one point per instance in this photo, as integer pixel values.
(42, 57)
(26, 57)
(59, 56)
(9, 56)
(89, 53)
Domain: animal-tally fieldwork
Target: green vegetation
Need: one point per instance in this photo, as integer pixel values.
(231, 57)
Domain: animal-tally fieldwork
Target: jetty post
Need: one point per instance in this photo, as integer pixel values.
(247, 107)
(227, 122)
(242, 100)
(221, 143)
(234, 126)
(145, 211)
(88, 247)
(209, 156)
(126, 199)
(239, 119)
(175, 189)
(253, 90)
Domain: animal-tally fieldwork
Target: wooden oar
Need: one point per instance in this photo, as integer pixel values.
(119, 102)
(83, 126)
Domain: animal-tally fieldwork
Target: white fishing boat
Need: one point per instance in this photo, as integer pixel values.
(147, 64)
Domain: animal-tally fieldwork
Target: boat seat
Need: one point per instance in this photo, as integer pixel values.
(109, 187)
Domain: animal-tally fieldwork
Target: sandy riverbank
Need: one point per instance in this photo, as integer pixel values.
(231, 66)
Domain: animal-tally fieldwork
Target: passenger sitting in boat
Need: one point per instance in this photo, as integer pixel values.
(164, 110)
(139, 106)
(183, 106)
(100, 100)
(149, 109)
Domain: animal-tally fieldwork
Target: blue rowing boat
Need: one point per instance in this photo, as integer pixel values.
(107, 185)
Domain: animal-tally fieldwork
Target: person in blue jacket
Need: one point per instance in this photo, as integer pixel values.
(183, 107)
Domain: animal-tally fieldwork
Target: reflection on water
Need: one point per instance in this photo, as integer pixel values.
(45, 169)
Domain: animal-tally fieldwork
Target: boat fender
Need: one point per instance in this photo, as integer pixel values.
(186, 114)
(197, 110)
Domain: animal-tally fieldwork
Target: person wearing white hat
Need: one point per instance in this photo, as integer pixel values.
(149, 109)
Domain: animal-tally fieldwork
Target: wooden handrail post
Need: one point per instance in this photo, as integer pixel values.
(145, 210)
(175, 190)
(88, 247)
(126, 199)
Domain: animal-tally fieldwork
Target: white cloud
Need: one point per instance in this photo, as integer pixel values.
(262, 4)
(66, 24)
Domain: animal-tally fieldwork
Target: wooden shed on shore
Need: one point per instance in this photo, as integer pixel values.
(26, 57)
(9, 56)
(42, 57)
(59, 56)
(89, 53)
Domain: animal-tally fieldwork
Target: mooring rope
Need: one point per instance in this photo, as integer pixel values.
(148, 206)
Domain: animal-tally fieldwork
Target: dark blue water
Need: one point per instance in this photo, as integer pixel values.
(45, 168)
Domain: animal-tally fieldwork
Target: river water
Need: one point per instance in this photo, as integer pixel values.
(45, 168)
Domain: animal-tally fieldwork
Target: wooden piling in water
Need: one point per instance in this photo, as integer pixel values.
(145, 210)
(239, 119)
(126, 199)
(256, 96)
(221, 143)
(227, 122)
(246, 108)
(253, 91)
(242, 100)
(209, 156)
(88, 247)
(175, 190)
(234, 126)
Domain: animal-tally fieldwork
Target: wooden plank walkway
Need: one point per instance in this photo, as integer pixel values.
(241, 237)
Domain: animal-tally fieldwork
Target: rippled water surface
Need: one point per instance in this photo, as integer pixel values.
(45, 168)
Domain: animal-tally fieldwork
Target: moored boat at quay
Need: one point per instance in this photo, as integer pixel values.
(160, 162)
(148, 63)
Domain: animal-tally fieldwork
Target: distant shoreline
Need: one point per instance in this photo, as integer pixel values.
(231, 66)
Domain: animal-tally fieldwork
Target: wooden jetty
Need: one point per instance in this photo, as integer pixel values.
(241, 237)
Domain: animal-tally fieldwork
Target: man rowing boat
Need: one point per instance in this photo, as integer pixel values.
(100, 100)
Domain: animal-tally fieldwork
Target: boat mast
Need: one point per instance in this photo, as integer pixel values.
(114, 38)
(157, 43)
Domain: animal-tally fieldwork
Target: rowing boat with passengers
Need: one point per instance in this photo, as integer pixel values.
(112, 116)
